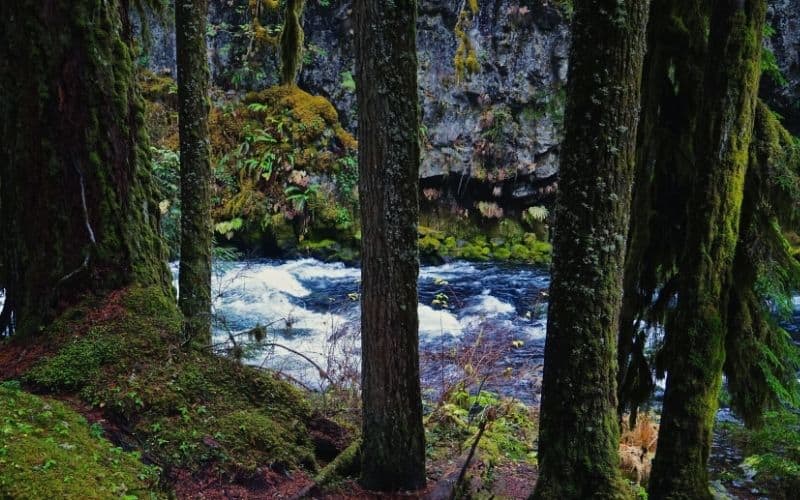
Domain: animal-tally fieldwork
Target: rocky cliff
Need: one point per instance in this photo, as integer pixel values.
(782, 90)
(491, 82)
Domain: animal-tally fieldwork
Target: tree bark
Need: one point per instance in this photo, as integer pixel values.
(696, 335)
(76, 199)
(292, 38)
(393, 452)
(196, 175)
(579, 435)
(672, 89)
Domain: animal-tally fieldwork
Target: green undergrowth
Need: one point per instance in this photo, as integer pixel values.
(452, 427)
(506, 240)
(772, 452)
(286, 183)
(284, 167)
(48, 450)
(184, 408)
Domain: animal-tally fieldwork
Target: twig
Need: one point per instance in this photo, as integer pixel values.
(85, 264)
(322, 372)
(242, 333)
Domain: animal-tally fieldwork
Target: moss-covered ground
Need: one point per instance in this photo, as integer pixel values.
(181, 409)
(47, 450)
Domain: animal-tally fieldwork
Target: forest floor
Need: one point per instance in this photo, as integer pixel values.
(504, 465)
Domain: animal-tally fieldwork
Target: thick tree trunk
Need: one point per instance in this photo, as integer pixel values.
(393, 452)
(76, 201)
(579, 435)
(696, 336)
(196, 175)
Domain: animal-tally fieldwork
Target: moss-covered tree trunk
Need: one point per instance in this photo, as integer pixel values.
(393, 452)
(696, 335)
(292, 38)
(196, 175)
(76, 200)
(671, 93)
(579, 435)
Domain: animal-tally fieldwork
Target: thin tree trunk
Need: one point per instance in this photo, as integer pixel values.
(579, 435)
(77, 205)
(292, 38)
(196, 175)
(672, 88)
(393, 452)
(696, 336)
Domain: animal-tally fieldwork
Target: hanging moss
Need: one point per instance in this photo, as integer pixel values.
(466, 59)
(671, 95)
(695, 338)
(761, 360)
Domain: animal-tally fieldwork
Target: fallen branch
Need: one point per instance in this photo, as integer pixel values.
(347, 463)
(470, 456)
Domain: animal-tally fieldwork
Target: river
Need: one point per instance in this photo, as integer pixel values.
(479, 314)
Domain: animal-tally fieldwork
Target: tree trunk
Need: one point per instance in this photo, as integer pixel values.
(393, 452)
(76, 200)
(196, 175)
(671, 93)
(292, 37)
(579, 435)
(696, 336)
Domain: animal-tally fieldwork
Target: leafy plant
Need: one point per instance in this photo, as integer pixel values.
(348, 83)
(535, 214)
(300, 197)
(228, 228)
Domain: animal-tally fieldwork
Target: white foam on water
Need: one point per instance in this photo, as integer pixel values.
(274, 293)
(435, 323)
(310, 269)
(489, 306)
(451, 269)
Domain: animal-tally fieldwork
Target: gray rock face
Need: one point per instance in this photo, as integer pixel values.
(498, 127)
(784, 97)
(490, 135)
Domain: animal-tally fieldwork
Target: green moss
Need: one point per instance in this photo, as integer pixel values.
(501, 253)
(466, 59)
(292, 37)
(49, 451)
(77, 364)
(346, 463)
(507, 240)
(261, 439)
(429, 244)
(187, 409)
